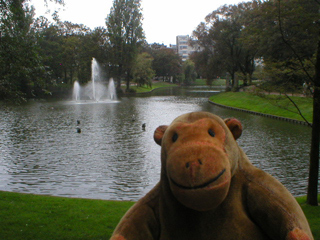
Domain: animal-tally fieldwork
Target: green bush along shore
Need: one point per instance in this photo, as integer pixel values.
(38, 217)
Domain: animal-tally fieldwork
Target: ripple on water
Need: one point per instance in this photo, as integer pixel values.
(113, 158)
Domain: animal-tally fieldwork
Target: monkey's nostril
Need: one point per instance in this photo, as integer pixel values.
(194, 164)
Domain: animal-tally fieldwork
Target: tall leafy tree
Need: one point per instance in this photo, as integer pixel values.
(21, 70)
(142, 70)
(225, 31)
(189, 72)
(167, 63)
(206, 63)
(288, 32)
(301, 38)
(289, 43)
(125, 36)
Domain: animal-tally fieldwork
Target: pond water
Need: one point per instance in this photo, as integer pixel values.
(113, 158)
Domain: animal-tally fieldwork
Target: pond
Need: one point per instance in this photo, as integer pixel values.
(113, 158)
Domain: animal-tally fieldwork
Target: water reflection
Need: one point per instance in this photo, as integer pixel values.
(113, 158)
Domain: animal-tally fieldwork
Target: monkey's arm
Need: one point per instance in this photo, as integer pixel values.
(274, 209)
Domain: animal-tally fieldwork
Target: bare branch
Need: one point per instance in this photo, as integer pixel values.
(309, 124)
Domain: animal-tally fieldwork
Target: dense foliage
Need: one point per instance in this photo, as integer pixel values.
(20, 62)
(40, 58)
(280, 34)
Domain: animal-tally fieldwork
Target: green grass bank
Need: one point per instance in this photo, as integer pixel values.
(35, 217)
(278, 105)
(145, 88)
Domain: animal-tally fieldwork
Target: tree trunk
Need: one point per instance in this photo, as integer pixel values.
(65, 75)
(249, 77)
(235, 85)
(118, 81)
(312, 197)
(118, 77)
(128, 82)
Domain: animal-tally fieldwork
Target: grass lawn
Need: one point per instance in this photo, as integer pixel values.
(35, 217)
(313, 215)
(268, 104)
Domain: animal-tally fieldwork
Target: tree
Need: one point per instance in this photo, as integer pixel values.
(312, 196)
(293, 56)
(300, 48)
(125, 36)
(311, 10)
(21, 70)
(226, 32)
(142, 70)
(207, 64)
(189, 72)
(167, 64)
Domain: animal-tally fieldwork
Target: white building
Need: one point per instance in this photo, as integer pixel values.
(183, 47)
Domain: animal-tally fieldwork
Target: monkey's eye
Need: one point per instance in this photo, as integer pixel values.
(211, 133)
(174, 137)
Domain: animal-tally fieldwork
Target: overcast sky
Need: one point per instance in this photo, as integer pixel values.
(163, 19)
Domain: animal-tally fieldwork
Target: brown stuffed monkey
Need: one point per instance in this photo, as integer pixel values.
(209, 190)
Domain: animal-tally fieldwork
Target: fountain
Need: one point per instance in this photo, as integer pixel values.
(76, 91)
(95, 90)
(112, 94)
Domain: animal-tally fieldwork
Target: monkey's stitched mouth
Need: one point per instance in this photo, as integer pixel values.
(202, 185)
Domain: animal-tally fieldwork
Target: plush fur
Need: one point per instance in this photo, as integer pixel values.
(209, 190)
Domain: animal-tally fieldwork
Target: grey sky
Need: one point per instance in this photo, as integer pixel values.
(163, 20)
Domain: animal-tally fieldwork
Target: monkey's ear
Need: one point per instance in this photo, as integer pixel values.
(158, 134)
(235, 127)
